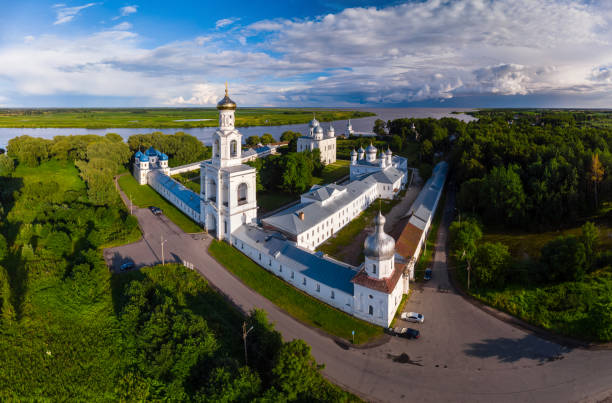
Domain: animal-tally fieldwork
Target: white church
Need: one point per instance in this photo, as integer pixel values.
(316, 138)
(285, 243)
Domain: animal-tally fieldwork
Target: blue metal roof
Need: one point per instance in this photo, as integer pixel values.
(151, 152)
(163, 157)
(323, 270)
(190, 198)
(138, 154)
(144, 158)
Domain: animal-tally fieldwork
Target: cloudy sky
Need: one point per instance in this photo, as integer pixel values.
(471, 53)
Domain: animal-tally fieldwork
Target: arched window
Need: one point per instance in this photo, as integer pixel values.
(217, 148)
(371, 310)
(242, 193)
(374, 269)
(233, 148)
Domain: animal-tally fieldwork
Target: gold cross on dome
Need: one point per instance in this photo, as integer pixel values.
(226, 88)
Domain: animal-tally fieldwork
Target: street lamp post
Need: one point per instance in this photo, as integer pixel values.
(245, 332)
(163, 241)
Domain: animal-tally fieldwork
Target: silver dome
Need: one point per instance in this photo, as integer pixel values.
(314, 123)
(361, 149)
(388, 151)
(353, 152)
(371, 148)
(379, 245)
(319, 129)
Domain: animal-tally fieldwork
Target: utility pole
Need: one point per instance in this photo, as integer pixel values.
(245, 332)
(131, 204)
(162, 247)
(469, 267)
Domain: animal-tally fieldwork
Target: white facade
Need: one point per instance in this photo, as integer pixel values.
(228, 187)
(325, 142)
(148, 161)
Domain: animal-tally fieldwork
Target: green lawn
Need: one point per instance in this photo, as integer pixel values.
(298, 304)
(161, 117)
(335, 245)
(145, 196)
(62, 172)
(525, 244)
(332, 172)
(270, 201)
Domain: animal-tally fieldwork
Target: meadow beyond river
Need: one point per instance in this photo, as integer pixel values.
(204, 134)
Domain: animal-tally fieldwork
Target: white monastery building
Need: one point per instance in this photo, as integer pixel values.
(284, 243)
(326, 143)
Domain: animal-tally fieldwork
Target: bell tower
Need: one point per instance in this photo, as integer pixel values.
(227, 141)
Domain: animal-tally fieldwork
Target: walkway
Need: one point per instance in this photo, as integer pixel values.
(463, 354)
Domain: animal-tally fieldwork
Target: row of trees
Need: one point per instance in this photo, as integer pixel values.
(565, 258)
(177, 353)
(181, 148)
(253, 141)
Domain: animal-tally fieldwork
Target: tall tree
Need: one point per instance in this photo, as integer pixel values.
(590, 239)
(596, 175)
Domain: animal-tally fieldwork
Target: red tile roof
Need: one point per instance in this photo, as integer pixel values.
(386, 285)
(408, 241)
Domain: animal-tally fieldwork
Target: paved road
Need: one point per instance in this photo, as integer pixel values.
(464, 354)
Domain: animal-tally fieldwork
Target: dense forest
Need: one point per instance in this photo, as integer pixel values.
(181, 148)
(72, 331)
(524, 173)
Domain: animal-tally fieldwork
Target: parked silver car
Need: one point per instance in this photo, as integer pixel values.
(413, 317)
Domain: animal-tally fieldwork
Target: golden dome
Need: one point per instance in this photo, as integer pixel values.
(226, 102)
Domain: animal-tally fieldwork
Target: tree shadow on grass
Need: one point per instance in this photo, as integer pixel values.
(509, 350)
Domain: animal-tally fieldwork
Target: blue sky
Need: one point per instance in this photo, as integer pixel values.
(459, 53)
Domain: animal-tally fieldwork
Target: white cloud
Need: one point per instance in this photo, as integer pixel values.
(225, 22)
(28, 39)
(202, 94)
(124, 26)
(417, 51)
(127, 10)
(67, 14)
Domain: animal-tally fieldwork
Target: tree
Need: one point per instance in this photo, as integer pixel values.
(590, 239)
(289, 135)
(267, 139)
(296, 372)
(7, 165)
(491, 263)
(600, 316)
(3, 247)
(465, 236)
(252, 141)
(379, 127)
(564, 259)
(596, 175)
(426, 150)
(297, 173)
(396, 143)
(504, 196)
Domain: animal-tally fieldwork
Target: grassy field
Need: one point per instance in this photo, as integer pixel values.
(336, 245)
(162, 117)
(298, 304)
(525, 244)
(270, 201)
(145, 196)
(332, 172)
(62, 172)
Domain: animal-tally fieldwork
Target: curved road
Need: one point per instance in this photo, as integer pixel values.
(464, 354)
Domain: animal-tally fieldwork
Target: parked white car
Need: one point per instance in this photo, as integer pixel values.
(413, 317)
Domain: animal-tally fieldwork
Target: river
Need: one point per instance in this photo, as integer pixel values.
(205, 133)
